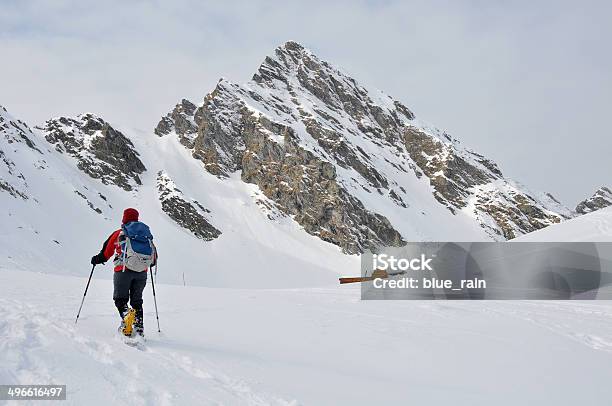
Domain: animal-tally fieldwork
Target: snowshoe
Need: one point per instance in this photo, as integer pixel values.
(127, 324)
(135, 341)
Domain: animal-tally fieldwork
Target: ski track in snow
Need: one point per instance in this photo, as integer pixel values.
(28, 332)
(563, 318)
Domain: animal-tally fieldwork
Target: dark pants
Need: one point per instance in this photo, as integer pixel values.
(128, 286)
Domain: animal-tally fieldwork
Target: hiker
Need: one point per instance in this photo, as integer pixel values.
(134, 253)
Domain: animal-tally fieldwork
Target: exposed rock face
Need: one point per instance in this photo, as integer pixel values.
(303, 185)
(181, 121)
(219, 144)
(306, 187)
(7, 187)
(464, 179)
(101, 151)
(600, 199)
(13, 134)
(450, 171)
(187, 214)
(504, 208)
(337, 157)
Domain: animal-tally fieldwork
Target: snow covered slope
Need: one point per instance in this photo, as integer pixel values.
(595, 226)
(303, 347)
(273, 346)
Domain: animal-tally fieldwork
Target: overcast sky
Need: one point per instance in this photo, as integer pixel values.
(528, 84)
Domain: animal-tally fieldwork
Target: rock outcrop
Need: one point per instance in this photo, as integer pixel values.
(180, 121)
(14, 133)
(188, 214)
(465, 180)
(100, 150)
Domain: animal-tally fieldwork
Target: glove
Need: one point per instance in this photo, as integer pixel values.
(98, 259)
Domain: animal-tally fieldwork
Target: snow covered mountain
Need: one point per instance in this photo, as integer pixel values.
(351, 165)
(600, 199)
(293, 170)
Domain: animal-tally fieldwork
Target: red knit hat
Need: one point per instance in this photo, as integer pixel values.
(129, 215)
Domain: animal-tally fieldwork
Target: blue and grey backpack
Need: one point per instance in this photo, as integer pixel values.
(137, 246)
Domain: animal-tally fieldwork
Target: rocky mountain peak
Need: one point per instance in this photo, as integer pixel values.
(101, 151)
(297, 71)
(600, 199)
(285, 60)
(291, 46)
(353, 166)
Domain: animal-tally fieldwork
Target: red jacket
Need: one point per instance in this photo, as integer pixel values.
(112, 247)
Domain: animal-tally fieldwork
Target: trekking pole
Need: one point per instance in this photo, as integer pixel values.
(83, 301)
(155, 299)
